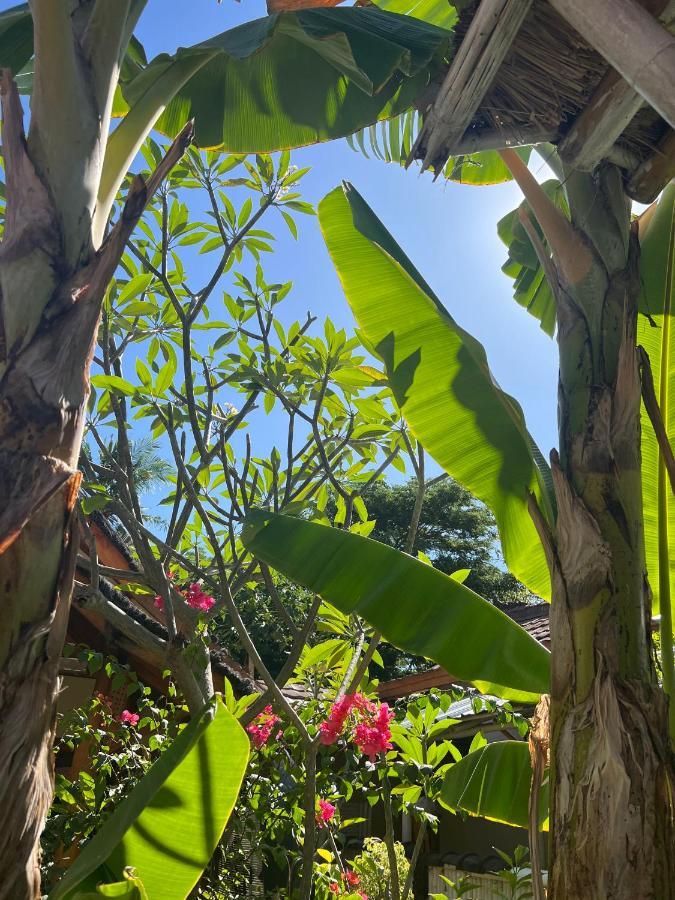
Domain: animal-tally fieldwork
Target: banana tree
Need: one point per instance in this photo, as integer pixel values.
(79, 64)
(597, 521)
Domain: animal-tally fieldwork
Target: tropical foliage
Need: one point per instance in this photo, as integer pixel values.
(107, 338)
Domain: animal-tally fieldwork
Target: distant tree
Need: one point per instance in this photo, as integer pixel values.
(455, 532)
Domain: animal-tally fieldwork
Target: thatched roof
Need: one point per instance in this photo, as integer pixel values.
(521, 74)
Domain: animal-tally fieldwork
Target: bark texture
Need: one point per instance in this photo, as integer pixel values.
(612, 768)
(52, 281)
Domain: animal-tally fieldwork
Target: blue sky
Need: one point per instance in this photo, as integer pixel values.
(448, 230)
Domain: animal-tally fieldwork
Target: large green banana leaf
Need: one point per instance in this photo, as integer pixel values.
(169, 825)
(294, 78)
(494, 783)
(656, 333)
(416, 607)
(282, 81)
(441, 380)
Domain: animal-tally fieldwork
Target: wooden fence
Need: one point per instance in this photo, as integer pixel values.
(487, 887)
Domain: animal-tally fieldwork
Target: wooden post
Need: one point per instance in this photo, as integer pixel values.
(633, 42)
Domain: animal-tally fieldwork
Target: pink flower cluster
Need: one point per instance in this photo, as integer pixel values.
(260, 729)
(194, 597)
(368, 724)
(129, 718)
(325, 813)
(348, 880)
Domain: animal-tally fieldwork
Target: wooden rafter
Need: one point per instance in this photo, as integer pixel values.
(609, 111)
(481, 53)
(654, 172)
(498, 139)
(632, 41)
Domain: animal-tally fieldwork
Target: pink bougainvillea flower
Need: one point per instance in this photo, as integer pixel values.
(331, 729)
(197, 599)
(129, 718)
(325, 813)
(334, 887)
(352, 878)
(373, 736)
(194, 595)
(262, 726)
(329, 733)
(368, 724)
(363, 703)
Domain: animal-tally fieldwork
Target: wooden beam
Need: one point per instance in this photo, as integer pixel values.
(481, 53)
(608, 113)
(653, 173)
(606, 116)
(633, 42)
(500, 139)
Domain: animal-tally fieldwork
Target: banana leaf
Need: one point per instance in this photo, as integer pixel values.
(441, 380)
(656, 333)
(494, 783)
(416, 607)
(167, 828)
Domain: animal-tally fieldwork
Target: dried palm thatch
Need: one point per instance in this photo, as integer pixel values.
(542, 85)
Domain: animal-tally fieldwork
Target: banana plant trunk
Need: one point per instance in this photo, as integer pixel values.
(612, 774)
(54, 272)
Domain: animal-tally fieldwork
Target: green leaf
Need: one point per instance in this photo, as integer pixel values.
(530, 286)
(494, 783)
(282, 81)
(656, 333)
(143, 373)
(440, 378)
(16, 37)
(165, 376)
(131, 889)
(168, 827)
(485, 167)
(417, 608)
(437, 12)
(114, 383)
(134, 287)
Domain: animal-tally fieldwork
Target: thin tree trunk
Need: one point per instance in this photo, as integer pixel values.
(612, 771)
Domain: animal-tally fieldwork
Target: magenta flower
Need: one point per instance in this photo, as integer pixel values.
(369, 724)
(260, 729)
(129, 718)
(325, 813)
